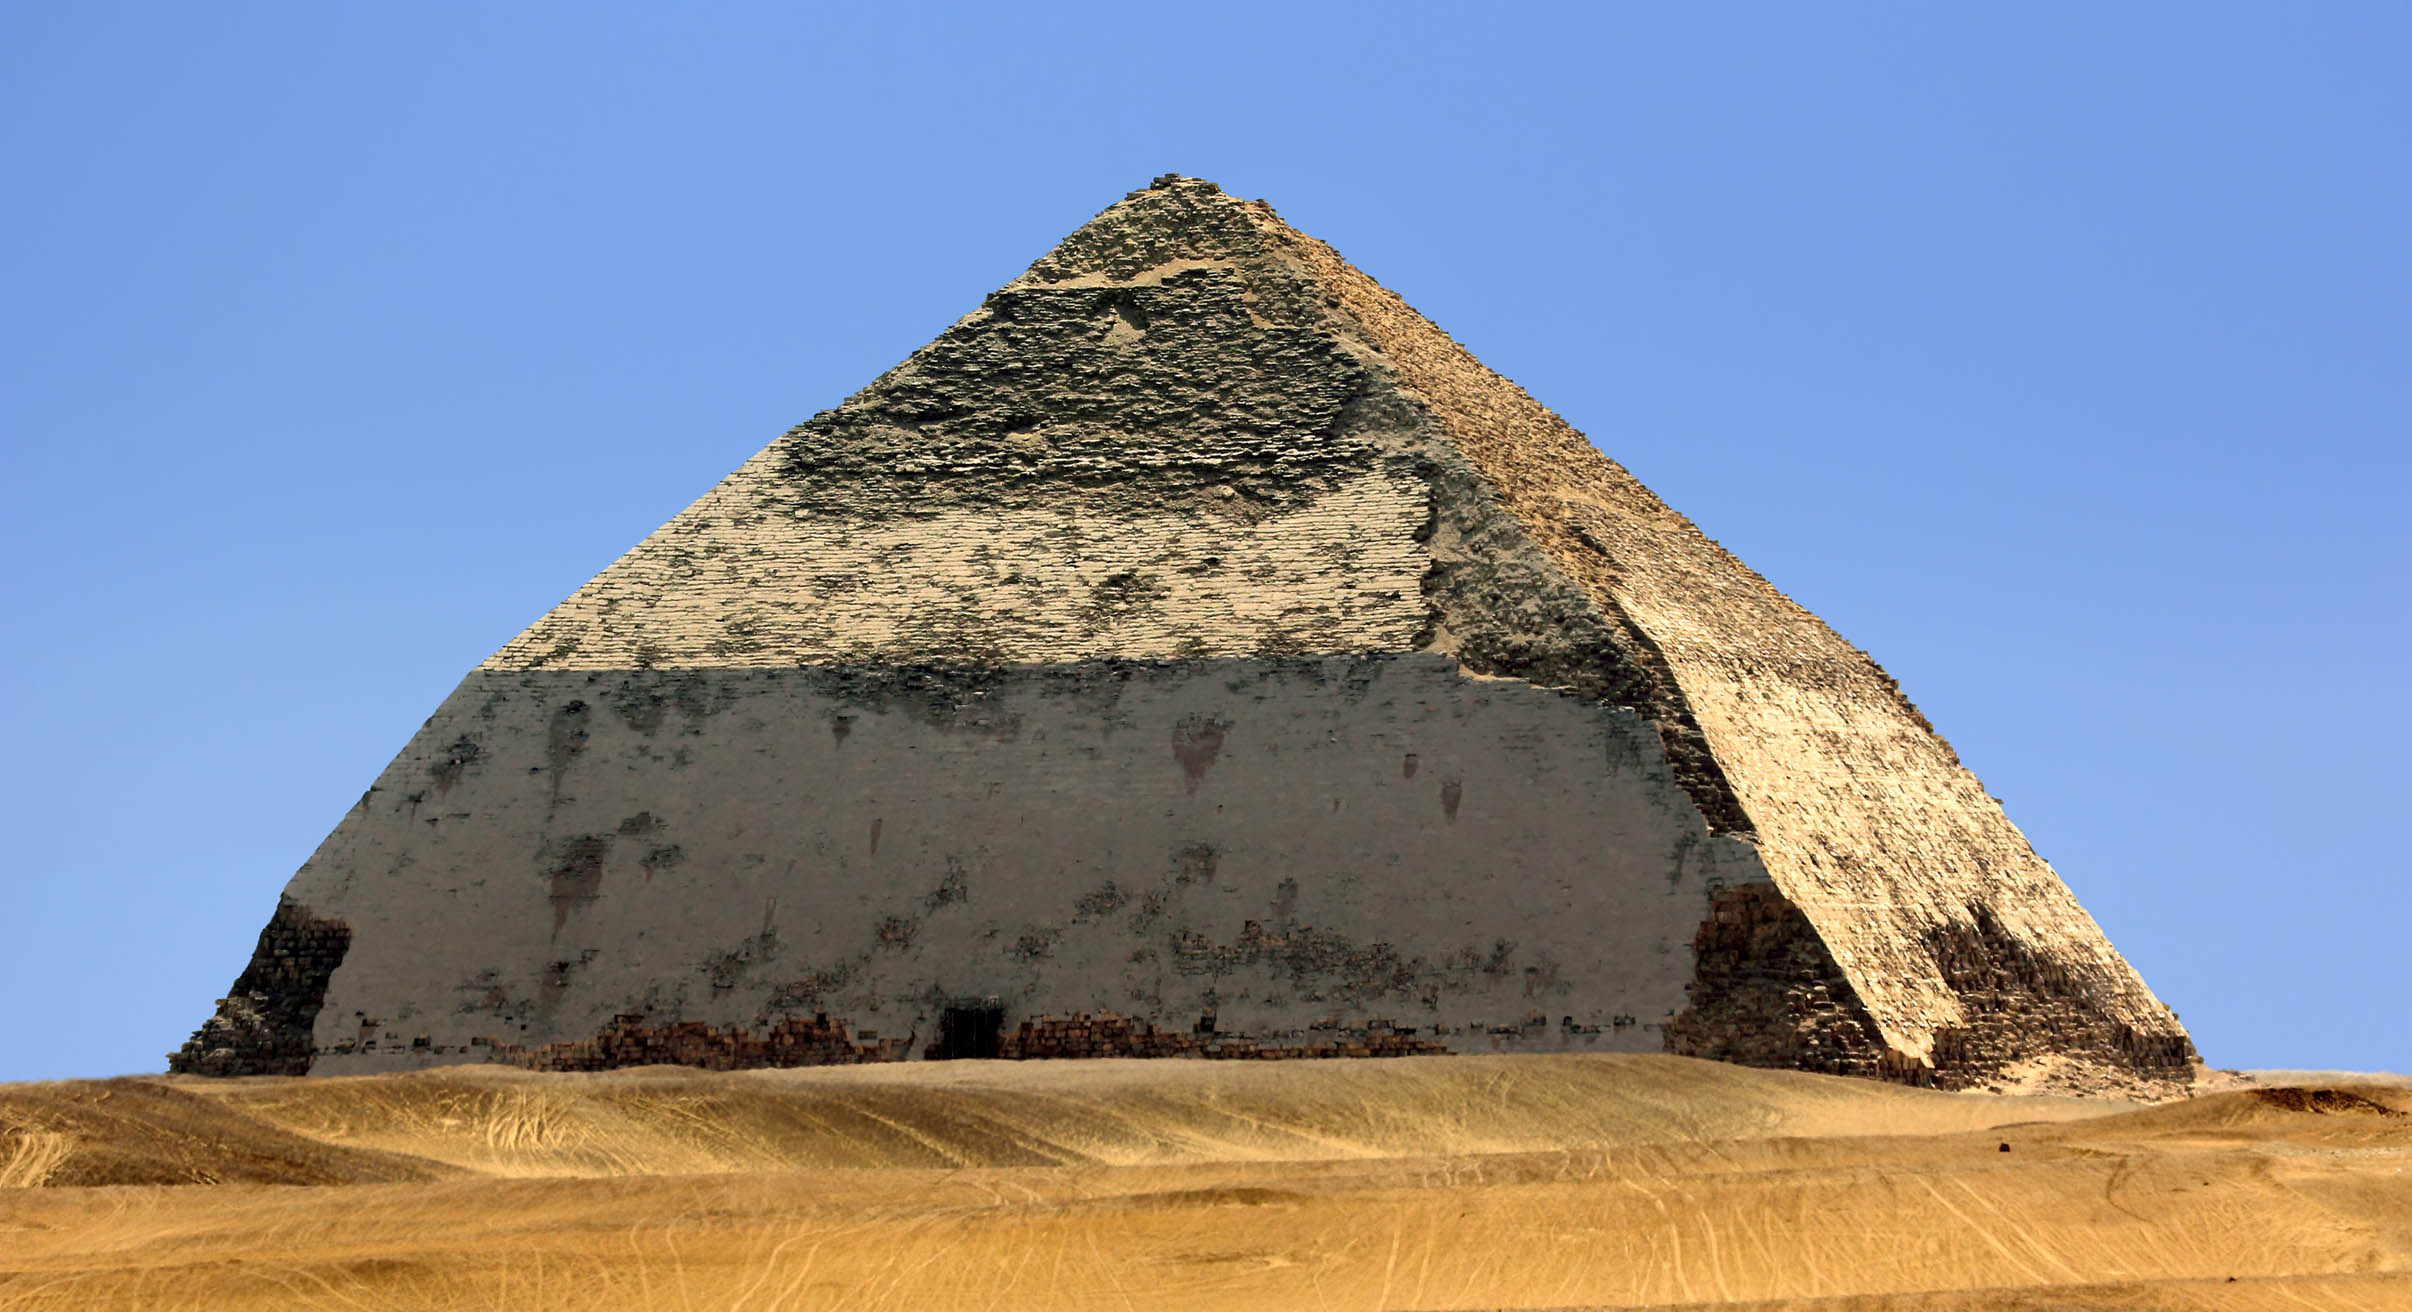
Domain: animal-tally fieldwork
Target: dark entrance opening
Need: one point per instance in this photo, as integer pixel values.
(968, 1030)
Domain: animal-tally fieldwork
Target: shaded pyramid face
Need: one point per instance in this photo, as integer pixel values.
(1190, 652)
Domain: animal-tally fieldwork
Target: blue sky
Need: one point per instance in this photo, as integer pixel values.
(2059, 356)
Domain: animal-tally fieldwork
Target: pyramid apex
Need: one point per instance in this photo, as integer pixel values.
(1197, 188)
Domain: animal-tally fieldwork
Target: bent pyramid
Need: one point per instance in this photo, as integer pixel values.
(1191, 651)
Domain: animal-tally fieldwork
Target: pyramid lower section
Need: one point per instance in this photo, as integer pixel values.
(1250, 857)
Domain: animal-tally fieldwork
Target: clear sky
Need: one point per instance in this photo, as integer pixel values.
(2060, 356)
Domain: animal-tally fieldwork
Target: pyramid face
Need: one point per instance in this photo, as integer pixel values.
(1192, 651)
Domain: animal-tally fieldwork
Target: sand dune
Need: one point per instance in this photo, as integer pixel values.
(666, 1120)
(1414, 1183)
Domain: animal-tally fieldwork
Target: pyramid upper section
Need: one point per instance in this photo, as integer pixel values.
(1135, 467)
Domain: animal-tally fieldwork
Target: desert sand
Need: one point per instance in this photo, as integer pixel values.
(1446, 1182)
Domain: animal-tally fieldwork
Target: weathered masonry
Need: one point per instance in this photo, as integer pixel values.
(1191, 652)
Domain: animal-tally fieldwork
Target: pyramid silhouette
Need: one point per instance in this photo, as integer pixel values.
(1193, 651)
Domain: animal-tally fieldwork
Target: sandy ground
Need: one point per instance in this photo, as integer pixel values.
(1454, 1182)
